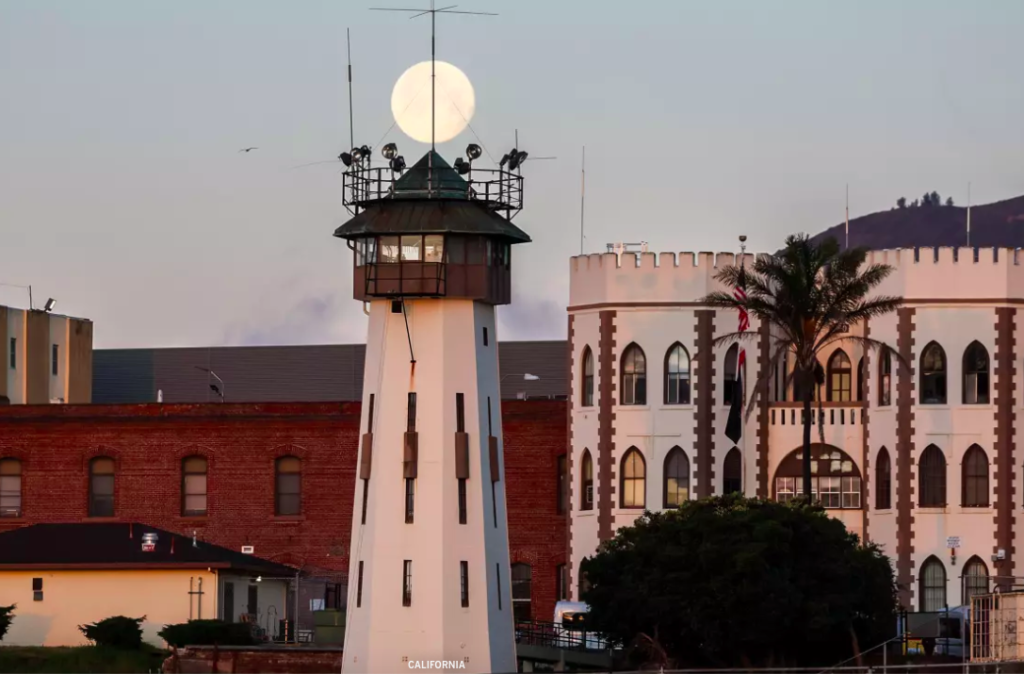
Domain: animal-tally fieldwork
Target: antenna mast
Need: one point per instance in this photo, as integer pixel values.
(968, 215)
(351, 123)
(847, 216)
(433, 53)
(583, 192)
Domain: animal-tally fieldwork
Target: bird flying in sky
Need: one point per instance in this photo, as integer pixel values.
(248, 149)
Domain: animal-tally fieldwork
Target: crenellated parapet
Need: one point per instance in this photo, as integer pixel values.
(934, 274)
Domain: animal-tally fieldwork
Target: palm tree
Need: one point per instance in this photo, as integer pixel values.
(809, 294)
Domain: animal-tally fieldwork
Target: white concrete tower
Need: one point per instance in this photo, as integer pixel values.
(429, 562)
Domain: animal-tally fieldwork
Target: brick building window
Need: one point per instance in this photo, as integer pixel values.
(563, 483)
(933, 375)
(193, 486)
(588, 377)
(883, 481)
(587, 481)
(933, 586)
(835, 478)
(677, 478)
(561, 583)
(975, 478)
(287, 486)
(410, 499)
(634, 479)
(975, 579)
(885, 378)
(55, 359)
(732, 473)
(101, 487)
(10, 488)
(407, 583)
(14, 353)
(975, 374)
(932, 472)
(522, 592)
(677, 376)
(37, 589)
(840, 384)
(634, 377)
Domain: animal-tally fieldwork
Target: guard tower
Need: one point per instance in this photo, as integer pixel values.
(429, 562)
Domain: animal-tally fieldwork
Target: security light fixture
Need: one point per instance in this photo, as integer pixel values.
(390, 151)
(473, 151)
(346, 158)
(504, 160)
(49, 305)
(516, 159)
(462, 166)
(397, 164)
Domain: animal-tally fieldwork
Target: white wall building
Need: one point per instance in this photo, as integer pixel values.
(918, 459)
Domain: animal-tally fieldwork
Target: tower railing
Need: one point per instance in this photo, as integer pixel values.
(498, 190)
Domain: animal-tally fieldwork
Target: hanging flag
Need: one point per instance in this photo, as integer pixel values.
(734, 425)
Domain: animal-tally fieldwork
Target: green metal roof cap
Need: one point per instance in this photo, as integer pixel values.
(443, 181)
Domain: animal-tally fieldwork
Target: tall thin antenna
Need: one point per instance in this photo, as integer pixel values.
(351, 123)
(583, 193)
(847, 216)
(968, 215)
(433, 54)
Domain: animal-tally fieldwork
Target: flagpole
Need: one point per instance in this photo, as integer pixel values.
(743, 383)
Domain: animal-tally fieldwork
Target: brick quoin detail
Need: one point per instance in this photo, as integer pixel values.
(704, 372)
(570, 465)
(867, 487)
(1005, 420)
(241, 442)
(905, 455)
(606, 427)
(763, 356)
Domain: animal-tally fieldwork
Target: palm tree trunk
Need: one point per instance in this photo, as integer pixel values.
(806, 393)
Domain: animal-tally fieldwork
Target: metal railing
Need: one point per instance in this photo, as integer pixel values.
(556, 635)
(498, 189)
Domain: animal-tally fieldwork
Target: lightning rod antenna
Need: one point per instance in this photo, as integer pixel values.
(847, 216)
(583, 193)
(968, 215)
(351, 123)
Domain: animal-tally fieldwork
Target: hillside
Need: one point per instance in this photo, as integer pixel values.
(999, 224)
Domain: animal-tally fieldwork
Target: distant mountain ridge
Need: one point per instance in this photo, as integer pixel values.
(999, 224)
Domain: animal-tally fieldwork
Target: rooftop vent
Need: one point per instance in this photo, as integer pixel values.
(149, 542)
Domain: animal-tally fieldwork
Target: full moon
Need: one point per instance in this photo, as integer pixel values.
(454, 106)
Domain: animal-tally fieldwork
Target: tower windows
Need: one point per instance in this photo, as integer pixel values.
(288, 486)
(101, 487)
(634, 377)
(407, 583)
(933, 375)
(464, 583)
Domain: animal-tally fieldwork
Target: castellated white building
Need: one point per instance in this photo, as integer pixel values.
(920, 459)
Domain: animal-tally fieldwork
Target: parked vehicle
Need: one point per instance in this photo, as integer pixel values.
(571, 620)
(939, 633)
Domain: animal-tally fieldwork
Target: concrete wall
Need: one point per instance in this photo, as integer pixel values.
(32, 381)
(73, 598)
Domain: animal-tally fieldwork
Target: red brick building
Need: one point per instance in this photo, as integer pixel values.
(58, 453)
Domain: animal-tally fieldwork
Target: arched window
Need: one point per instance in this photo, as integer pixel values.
(193, 486)
(932, 470)
(975, 578)
(732, 473)
(634, 377)
(522, 592)
(933, 586)
(729, 385)
(587, 482)
(862, 384)
(677, 478)
(10, 488)
(975, 374)
(287, 486)
(101, 487)
(840, 383)
(634, 479)
(883, 480)
(975, 478)
(588, 377)
(677, 376)
(835, 478)
(885, 378)
(933, 375)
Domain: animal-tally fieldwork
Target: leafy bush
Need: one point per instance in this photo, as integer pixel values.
(6, 617)
(118, 632)
(60, 660)
(207, 633)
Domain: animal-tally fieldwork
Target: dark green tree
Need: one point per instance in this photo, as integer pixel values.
(6, 618)
(901, 202)
(812, 295)
(949, 201)
(119, 632)
(736, 582)
(936, 199)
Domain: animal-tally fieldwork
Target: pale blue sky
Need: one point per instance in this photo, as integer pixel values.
(123, 195)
